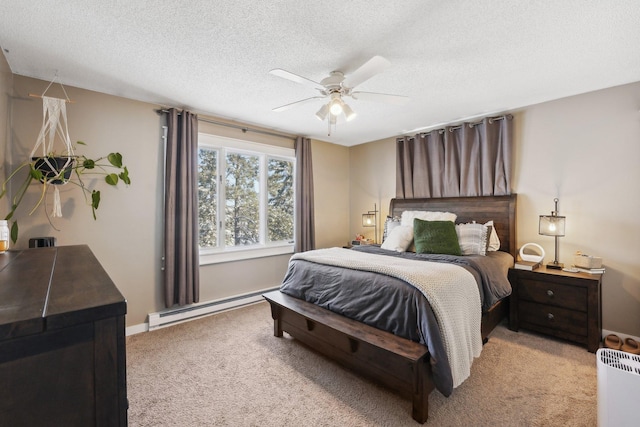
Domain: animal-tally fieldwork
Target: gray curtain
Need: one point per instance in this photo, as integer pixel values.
(181, 252)
(473, 159)
(305, 224)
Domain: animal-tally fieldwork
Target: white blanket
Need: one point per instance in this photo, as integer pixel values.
(450, 289)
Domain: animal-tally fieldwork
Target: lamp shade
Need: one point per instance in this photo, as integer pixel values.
(335, 106)
(551, 225)
(349, 114)
(369, 220)
(322, 112)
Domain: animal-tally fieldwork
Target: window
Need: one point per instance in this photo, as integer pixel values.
(245, 199)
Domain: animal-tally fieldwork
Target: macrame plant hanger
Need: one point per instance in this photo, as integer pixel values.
(54, 133)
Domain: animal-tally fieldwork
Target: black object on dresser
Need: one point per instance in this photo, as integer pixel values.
(62, 340)
(558, 303)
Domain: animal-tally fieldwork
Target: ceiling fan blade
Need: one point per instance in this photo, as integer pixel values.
(381, 97)
(295, 104)
(296, 78)
(374, 66)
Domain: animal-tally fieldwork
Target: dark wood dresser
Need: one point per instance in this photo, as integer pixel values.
(62, 340)
(554, 302)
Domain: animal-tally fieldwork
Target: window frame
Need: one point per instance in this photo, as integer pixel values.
(226, 145)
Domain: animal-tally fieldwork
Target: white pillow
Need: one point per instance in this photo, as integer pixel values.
(473, 238)
(494, 241)
(389, 225)
(408, 217)
(399, 239)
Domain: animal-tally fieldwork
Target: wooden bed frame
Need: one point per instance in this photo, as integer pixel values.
(393, 361)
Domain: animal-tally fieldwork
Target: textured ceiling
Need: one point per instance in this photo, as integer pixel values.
(455, 59)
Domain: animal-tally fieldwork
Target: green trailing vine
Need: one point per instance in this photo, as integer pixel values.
(110, 167)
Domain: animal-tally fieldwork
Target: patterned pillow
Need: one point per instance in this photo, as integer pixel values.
(435, 237)
(473, 238)
(389, 225)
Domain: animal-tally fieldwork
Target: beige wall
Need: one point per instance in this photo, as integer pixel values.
(6, 90)
(331, 189)
(127, 236)
(585, 150)
(373, 182)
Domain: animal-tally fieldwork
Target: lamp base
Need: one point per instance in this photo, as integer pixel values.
(555, 265)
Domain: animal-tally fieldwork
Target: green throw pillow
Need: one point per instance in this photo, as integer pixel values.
(435, 237)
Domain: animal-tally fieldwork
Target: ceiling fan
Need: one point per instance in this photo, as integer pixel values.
(337, 86)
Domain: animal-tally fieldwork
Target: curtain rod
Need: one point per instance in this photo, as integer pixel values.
(244, 129)
(471, 124)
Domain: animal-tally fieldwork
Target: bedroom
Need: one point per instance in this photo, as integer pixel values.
(582, 148)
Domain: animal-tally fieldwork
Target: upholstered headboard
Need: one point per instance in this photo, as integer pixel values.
(500, 209)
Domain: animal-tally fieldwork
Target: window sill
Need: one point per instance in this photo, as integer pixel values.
(243, 254)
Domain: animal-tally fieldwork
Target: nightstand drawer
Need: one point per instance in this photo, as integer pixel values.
(556, 294)
(556, 318)
(558, 303)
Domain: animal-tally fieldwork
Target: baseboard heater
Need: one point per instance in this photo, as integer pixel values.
(174, 316)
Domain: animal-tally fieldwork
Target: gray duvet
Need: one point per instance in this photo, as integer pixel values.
(392, 304)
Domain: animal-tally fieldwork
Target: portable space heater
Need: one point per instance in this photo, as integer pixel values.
(618, 388)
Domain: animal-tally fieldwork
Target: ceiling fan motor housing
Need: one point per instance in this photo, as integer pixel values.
(334, 81)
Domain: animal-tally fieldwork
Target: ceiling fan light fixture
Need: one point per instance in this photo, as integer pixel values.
(335, 106)
(322, 112)
(349, 114)
(337, 86)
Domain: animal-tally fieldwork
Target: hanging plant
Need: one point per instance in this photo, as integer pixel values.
(52, 169)
(55, 170)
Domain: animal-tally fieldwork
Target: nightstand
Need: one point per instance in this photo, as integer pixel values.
(558, 303)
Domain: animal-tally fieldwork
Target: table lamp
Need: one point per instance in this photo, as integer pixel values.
(553, 225)
(370, 219)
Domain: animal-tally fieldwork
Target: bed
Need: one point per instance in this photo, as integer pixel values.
(403, 363)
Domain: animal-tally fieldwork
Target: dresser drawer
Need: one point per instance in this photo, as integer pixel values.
(554, 294)
(556, 318)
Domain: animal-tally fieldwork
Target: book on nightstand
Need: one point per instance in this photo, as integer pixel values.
(526, 265)
(590, 270)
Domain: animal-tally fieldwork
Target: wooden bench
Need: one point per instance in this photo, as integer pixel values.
(398, 363)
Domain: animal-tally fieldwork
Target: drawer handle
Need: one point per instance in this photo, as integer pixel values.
(550, 316)
(549, 292)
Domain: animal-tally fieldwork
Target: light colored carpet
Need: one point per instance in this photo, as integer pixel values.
(229, 370)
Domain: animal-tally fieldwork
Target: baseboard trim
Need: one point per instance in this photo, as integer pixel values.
(137, 329)
(174, 316)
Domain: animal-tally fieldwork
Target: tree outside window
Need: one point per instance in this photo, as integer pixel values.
(246, 199)
(242, 204)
